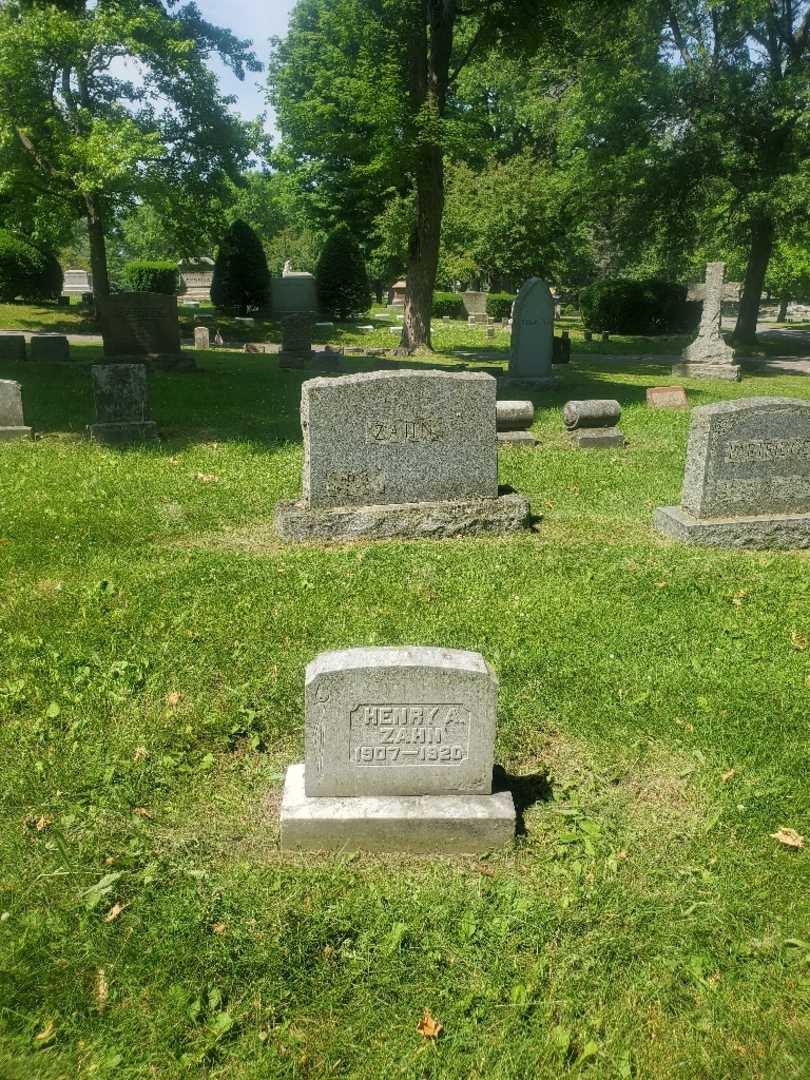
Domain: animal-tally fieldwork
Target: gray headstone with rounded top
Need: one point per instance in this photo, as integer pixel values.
(533, 334)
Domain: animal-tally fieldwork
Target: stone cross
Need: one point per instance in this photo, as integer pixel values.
(708, 356)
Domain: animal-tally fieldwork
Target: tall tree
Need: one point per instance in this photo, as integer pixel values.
(103, 101)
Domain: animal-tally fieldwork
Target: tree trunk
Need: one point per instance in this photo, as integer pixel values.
(98, 247)
(379, 290)
(762, 234)
(431, 46)
(783, 309)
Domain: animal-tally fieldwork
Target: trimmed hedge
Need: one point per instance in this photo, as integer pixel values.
(241, 279)
(449, 304)
(343, 286)
(499, 305)
(144, 275)
(27, 272)
(637, 307)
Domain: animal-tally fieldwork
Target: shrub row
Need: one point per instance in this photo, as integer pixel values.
(144, 275)
(450, 304)
(499, 305)
(26, 272)
(638, 307)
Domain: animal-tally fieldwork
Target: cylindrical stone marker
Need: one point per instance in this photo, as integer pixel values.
(591, 414)
(514, 415)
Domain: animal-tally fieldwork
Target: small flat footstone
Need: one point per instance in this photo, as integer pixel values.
(598, 438)
(729, 372)
(407, 521)
(119, 434)
(11, 434)
(432, 824)
(521, 440)
(784, 531)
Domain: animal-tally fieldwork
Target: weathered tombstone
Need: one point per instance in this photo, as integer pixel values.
(399, 753)
(513, 420)
(122, 409)
(202, 337)
(667, 397)
(708, 357)
(475, 303)
(48, 347)
(296, 341)
(76, 282)
(142, 325)
(12, 346)
(533, 334)
(196, 277)
(12, 423)
(593, 424)
(747, 476)
(561, 350)
(405, 453)
(397, 294)
(294, 293)
(490, 331)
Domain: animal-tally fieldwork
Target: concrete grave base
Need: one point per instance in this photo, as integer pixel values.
(684, 370)
(10, 434)
(522, 440)
(430, 824)
(598, 438)
(406, 521)
(119, 434)
(549, 382)
(786, 531)
(314, 361)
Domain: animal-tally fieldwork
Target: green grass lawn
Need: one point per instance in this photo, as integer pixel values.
(154, 635)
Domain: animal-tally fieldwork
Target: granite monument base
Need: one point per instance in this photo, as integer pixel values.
(429, 824)
(685, 370)
(598, 438)
(522, 440)
(786, 531)
(127, 432)
(507, 513)
(10, 434)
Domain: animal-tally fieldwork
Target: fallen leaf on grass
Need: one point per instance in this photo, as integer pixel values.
(789, 837)
(43, 823)
(141, 811)
(140, 753)
(102, 990)
(174, 698)
(218, 927)
(46, 1034)
(114, 912)
(728, 775)
(428, 1027)
(737, 599)
(798, 641)
(206, 477)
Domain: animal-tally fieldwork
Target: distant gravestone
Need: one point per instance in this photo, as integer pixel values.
(12, 346)
(475, 303)
(747, 476)
(141, 324)
(593, 424)
(49, 347)
(296, 340)
(399, 754)
(397, 293)
(196, 277)
(76, 282)
(202, 337)
(122, 408)
(708, 357)
(399, 453)
(667, 397)
(533, 334)
(294, 293)
(12, 424)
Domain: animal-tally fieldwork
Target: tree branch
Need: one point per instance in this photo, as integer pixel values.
(680, 40)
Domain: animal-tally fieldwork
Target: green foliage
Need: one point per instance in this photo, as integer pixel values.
(637, 307)
(26, 271)
(241, 279)
(499, 305)
(145, 276)
(450, 304)
(343, 286)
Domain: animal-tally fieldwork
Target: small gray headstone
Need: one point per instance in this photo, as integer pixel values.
(139, 324)
(122, 409)
(202, 337)
(12, 346)
(747, 476)
(532, 334)
(296, 334)
(48, 347)
(12, 424)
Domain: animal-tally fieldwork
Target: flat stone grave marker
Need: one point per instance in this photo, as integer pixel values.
(49, 347)
(533, 334)
(12, 424)
(399, 453)
(399, 754)
(12, 346)
(142, 324)
(747, 476)
(667, 397)
(122, 409)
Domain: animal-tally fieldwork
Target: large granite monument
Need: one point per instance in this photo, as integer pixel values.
(294, 293)
(399, 749)
(533, 335)
(747, 477)
(196, 277)
(142, 324)
(122, 407)
(12, 423)
(708, 357)
(77, 283)
(399, 454)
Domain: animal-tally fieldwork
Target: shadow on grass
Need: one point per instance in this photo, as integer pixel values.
(525, 790)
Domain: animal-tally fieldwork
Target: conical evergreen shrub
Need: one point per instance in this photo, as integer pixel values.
(343, 286)
(241, 278)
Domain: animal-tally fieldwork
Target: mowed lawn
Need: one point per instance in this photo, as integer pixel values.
(654, 701)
